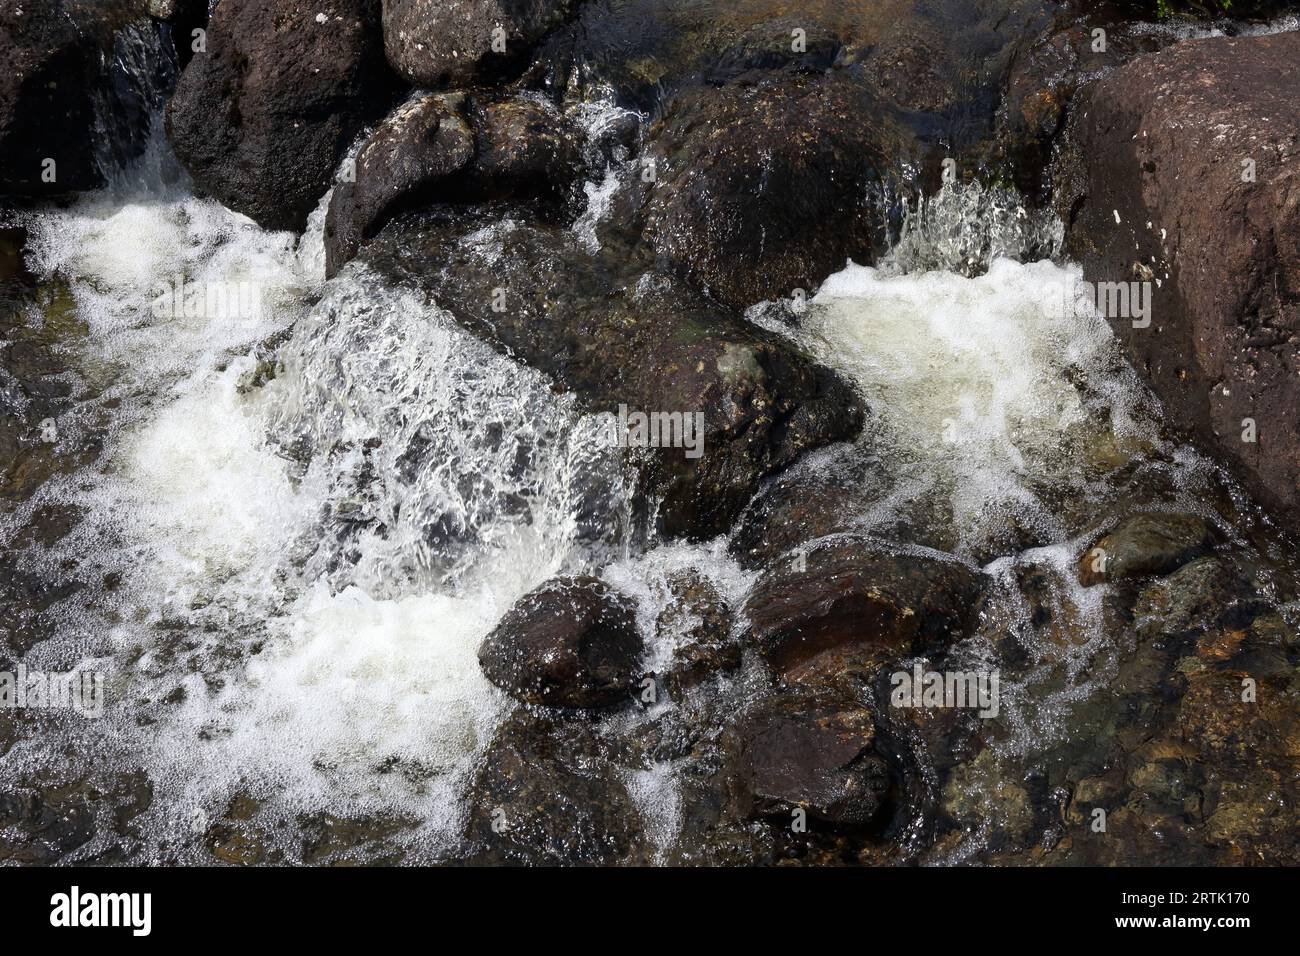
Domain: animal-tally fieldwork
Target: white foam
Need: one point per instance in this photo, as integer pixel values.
(967, 384)
(332, 544)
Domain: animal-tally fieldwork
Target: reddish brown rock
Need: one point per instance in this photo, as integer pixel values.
(1183, 170)
(573, 642)
(846, 595)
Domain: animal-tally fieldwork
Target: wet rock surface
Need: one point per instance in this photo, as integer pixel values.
(743, 160)
(431, 42)
(570, 643)
(698, 624)
(1145, 544)
(261, 118)
(68, 96)
(620, 337)
(1149, 142)
(802, 753)
(441, 147)
(847, 596)
(547, 795)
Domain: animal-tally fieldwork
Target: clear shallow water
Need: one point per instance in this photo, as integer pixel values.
(312, 514)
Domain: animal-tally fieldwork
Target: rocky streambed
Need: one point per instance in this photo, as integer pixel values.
(963, 341)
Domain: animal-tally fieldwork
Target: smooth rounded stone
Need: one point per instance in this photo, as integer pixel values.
(573, 642)
(81, 80)
(1217, 342)
(431, 43)
(697, 623)
(262, 118)
(789, 158)
(805, 751)
(1146, 543)
(846, 596)
(450, 148)
(1205, 593)
(545, 793)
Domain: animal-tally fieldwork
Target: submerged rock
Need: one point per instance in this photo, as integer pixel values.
(1217, 338)
(449, 147)
(697, 624)
(845, 597)
(81, 81)
(263, 116)
(1147, 543)
(1198, 595)
(573, 642)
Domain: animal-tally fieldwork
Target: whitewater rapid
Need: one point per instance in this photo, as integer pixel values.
(313, 514)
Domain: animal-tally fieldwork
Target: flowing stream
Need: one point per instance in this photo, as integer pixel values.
(305, 505)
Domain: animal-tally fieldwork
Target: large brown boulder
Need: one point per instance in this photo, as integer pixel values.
(847, 599)
(81, 80)
(262, 117)
(434, 42)
(767, 188)
(1183, 171)
(573, 642)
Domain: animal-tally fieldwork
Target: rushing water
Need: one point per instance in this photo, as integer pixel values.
(309, 509)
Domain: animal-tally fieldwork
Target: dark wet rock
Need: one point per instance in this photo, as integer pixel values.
(1146, 543)
(81, 80)
(804, 751)
(1147, 145)
(573, 642)
(422, 142)
(921, 56)
(848, 596)
(183, 18)
(42, 829)
(449, 147)
(262, 118)
(833, 492)
(787, 136)
(697, 624)
(1047, 71)
(766, 188)
(624, 339)
(545, 793)
(52, 823)
(435, 42)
